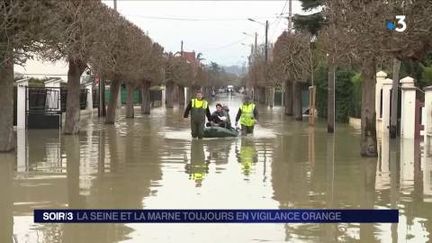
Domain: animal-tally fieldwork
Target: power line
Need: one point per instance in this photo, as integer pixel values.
(227, 45)
(279, 19)
(196, 19)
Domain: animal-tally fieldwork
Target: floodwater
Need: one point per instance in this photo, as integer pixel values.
(151, 162)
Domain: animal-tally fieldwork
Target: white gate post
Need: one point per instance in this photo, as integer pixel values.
(89, 88)
(186, 95)
(380, 78)
(163, 95)
(21, 124)
(21, 102)
(408, 108)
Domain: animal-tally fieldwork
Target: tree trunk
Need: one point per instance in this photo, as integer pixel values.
(129, 100)
(331, 97)
(189, 94)
(267, 96)
(271, 97)
(76, 68)
(394, 98)
(262, 95)
(169, 95)
(368, 123)
(102, 98)
(73, 155)
(7, 163)
(288, 98)
(367, 197)
(7, 134)
(297, 101)
(112, 104)
(181, 100)
(145, 102)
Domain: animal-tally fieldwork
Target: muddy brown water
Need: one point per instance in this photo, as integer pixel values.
(151, 162)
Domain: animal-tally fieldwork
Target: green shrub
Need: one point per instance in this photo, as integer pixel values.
(356, 81)
(345, 94)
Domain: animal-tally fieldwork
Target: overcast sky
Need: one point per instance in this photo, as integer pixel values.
(213, 28)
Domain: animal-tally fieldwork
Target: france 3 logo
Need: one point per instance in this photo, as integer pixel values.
(399, 24)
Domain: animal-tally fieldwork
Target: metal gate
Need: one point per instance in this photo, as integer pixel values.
(43, 108)
(419, 113)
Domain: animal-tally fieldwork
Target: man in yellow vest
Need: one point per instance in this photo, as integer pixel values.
(248, 115)
(198, 107)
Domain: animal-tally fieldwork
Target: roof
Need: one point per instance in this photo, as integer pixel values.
(189, 56)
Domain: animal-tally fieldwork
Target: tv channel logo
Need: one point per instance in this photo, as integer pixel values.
(398, 25)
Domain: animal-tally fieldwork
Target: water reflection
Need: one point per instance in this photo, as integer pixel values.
(198, 167)
(151, 162)
(247, 155)
(6, 201)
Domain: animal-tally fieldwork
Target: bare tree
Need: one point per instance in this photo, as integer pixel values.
(178, 75)
(291, 57)
(151, 73)
(367, 39)
(22, 26)
(72, 38)
(120, 59)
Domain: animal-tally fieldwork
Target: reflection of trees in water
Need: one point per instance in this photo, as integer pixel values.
(133, 164)
(204, 152)
(6, 201)
(345, 180)
(219, 150)
(300, 182)
(42, 145)
(414, 205)
(325, 179)
(289, 172)
(368, 197)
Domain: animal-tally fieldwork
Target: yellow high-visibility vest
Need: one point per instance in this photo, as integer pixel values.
(247, 117)
(197, 104)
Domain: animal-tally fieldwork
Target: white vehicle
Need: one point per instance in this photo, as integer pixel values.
(230, 88)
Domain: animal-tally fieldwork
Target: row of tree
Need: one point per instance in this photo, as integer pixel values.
(348, 34)
(88, 35)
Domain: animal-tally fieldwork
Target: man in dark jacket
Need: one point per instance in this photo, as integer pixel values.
(198, 107)
(220, 117)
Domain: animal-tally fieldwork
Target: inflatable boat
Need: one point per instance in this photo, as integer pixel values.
(220, 132)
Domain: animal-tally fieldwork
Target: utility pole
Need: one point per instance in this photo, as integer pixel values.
(181, 48)
(289, 15)
(266, 41)
(115, 5)
(256, 43)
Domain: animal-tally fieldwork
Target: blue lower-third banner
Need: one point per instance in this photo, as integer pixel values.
(216, 216)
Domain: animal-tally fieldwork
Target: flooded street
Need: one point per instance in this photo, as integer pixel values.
(151, 162)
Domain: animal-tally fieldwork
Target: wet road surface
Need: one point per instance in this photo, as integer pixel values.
(151, 162)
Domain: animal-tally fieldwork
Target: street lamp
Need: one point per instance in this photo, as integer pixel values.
(253, 20)
(256, 39)
(266, 36)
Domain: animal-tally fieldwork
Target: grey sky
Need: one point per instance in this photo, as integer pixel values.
(211, 27)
